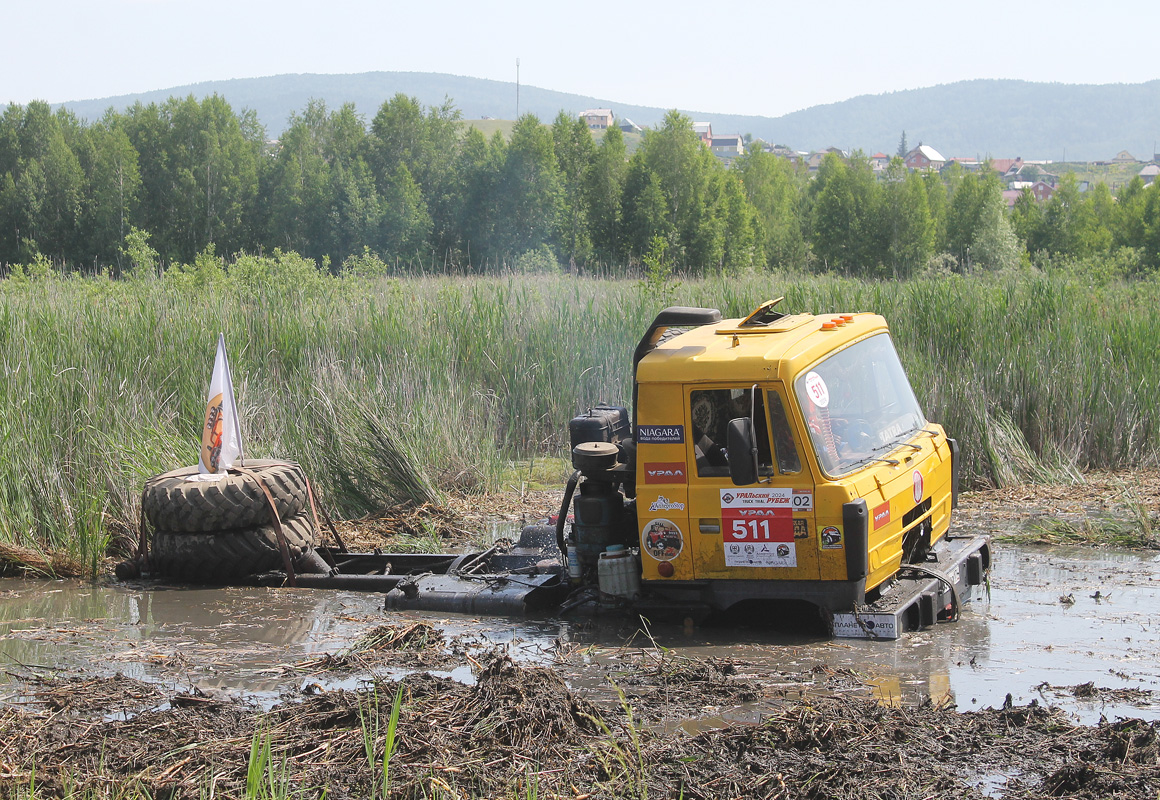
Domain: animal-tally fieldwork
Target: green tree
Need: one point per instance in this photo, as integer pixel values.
(1027, 220)
(480, 165)
(845, 220)
(37, 130)
(199, 167)
(52, 186)
(426, 142)
(358, 208)
(41, 183)
(976, 199)
(604, 191)
(405, 227)
(964, 214)
(911, 230)
(1151, 227)
(833, 219)
(304, 182)
(399, 136)
(743, 245)
(1075, 225)
(1128, 225)
(672, 161)
(529, 194)
(774, 187)
(10, 123)
(140, 259)
(1098, 220)
(937, 202)
(112, 191)
(575, 151)
(646, 211)
(994, 244)
(871, 236)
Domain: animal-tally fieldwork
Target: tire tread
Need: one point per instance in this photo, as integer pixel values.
(218, 557)
(173, 503)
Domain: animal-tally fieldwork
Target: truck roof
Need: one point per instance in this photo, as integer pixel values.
(730, 351)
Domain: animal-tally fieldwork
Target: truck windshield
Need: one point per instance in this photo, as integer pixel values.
(858, 405)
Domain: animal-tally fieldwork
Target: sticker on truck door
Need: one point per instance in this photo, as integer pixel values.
(758, 526)
(663, 540)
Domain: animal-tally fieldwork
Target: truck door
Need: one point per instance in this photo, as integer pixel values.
(761, 532)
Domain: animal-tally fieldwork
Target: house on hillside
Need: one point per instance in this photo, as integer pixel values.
(1148, 174)
(814, 159)
(782, 151)
(1029, 173)
(1124, 157)
(597, 119)
(727, 147)
(1005, 166)
(924, 157)
(879, 162)
(967, 164)
(1042, 191)
(628, 126)
(705, 131)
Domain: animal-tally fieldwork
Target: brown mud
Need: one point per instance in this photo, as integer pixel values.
(520, 731)
(591, 714)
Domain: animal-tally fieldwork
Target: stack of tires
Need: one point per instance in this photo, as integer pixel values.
(217, 532)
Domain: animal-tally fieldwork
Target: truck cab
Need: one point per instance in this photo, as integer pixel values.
(781, 457)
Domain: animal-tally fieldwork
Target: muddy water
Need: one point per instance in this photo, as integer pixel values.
(1056, 618)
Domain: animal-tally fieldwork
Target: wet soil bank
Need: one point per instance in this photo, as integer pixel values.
(520, 731)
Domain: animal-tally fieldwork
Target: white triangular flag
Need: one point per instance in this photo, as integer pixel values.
(221, 436)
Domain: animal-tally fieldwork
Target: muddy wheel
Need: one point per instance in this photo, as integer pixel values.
(225, 556)
(173, 503)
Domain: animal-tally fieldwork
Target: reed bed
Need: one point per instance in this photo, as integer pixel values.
(407, 389)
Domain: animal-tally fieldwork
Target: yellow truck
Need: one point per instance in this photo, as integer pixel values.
(773, 460)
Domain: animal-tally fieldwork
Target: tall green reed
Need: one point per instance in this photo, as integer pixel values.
(394, 390)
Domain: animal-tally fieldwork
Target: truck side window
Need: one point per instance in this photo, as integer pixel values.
(710, 412)
(783, 445)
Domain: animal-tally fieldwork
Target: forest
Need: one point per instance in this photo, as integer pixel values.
(417, 190)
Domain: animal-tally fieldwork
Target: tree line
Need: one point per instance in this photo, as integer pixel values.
(416, 190)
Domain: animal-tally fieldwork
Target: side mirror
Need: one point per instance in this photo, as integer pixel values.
(742, 447)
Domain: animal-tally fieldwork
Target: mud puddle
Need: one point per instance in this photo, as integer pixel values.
(257, 644)
(1077, 629)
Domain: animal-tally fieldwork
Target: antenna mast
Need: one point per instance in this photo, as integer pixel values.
(517, 90)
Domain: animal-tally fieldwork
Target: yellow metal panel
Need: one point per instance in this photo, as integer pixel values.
(701, 355)
(662, 483)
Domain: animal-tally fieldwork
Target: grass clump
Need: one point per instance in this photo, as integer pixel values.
(1117, 533)
(1135, 527)
(380, 766)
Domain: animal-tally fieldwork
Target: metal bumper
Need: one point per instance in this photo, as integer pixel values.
(922, 594)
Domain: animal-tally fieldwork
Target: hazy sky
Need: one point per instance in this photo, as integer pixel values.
(764, 58)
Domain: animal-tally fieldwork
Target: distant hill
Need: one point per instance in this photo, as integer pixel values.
(1000, 118)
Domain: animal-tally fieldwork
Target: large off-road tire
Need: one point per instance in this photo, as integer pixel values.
(173, 503)
(220, 557)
